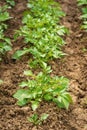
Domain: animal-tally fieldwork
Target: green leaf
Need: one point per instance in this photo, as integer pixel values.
(7, 48)
(11, 2)
(4, 16)
(22, 95)
(29, 5)
(44, 116)
(28, 73)
(63, 100)
(34, 105)
(22, 102)
(1, 45)
(82, 2)
(66, 103)
(7, 40)
(23, 84)
(33, 119)
(48, 97)
(17, 55)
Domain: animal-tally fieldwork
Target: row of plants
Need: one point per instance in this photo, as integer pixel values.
(41, 33)
(5, 42)
(43, 37)
(83, 4)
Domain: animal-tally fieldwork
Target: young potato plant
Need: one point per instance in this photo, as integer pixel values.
(36, 120)
(43, 87)
(42, 32)
(84, 11)
(5, 43)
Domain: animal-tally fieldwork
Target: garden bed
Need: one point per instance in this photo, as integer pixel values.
(73, 66)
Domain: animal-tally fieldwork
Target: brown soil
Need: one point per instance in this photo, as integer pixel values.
(73, 66)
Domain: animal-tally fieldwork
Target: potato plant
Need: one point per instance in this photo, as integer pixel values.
(43, 87)
(5, 43)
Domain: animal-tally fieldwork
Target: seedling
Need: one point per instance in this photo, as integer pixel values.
(36, 120)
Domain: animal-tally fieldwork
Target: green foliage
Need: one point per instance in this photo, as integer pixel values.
(42, 31)
(82, 2)
(43, 35)
(43, 87)
(84, 11)
(5, 43)
(84, 17)
(36, 120)
(11, 2)
(4, 15)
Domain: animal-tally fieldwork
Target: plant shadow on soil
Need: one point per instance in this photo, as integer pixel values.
(73, 66)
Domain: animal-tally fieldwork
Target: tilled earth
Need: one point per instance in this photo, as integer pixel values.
(72, 66)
